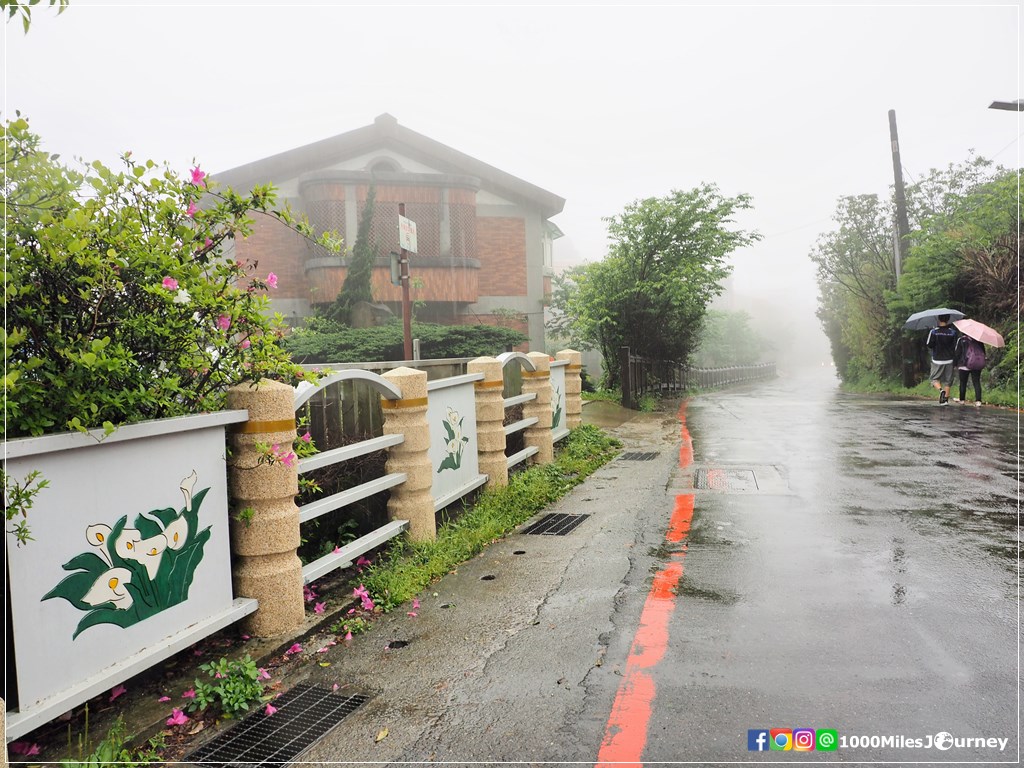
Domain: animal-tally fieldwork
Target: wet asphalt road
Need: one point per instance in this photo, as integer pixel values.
(852, 566)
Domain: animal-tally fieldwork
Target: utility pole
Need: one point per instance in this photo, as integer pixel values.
(902, 224)
(902, 240)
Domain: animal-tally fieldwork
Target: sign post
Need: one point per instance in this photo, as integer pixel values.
(407, 241)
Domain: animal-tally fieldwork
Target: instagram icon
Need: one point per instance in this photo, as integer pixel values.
(803, 739)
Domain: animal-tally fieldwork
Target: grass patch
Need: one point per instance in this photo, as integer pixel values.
(409, 568)
(989, 395)
(647, 403)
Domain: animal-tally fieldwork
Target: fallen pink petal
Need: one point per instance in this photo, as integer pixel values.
(23, 748)
(351, 611)
(415, 604)
(189, 694)
(246, 637)
(411, 613)
(322, 650)
(336, 550)
(177, 717)
(271, 709)
(294, 649)
(348, 636)
(319, 607)
(264, 675)
(164, 698)
(118, 691)
(363, 561)
(336, 686)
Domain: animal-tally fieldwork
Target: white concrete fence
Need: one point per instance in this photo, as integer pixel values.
(134, 555)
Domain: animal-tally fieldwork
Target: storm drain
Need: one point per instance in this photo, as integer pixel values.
(304, 714)
(555, 524)
(725, 479)
(639, 456)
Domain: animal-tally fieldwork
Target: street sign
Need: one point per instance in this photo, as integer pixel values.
(407, 234)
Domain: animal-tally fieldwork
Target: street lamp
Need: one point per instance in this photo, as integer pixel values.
(1012, 106)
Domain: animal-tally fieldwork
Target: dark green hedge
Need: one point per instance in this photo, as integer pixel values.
(325, 342)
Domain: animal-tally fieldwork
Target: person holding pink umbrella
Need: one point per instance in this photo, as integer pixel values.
(970, 354)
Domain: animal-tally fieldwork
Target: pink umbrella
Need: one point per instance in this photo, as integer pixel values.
(980, 332)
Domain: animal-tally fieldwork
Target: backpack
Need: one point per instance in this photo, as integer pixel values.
(974, 355)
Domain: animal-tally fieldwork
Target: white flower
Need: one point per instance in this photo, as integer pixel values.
(176, 533)
(453, 416)
(453, 447)
(131, 546)
(186, 488)
(97, 536)
(182, 297)
(110, 588)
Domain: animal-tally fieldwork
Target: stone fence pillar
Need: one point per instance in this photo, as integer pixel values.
(265, 524)
(539, 381)
(573, 387)
(490, 415)
(412, 500)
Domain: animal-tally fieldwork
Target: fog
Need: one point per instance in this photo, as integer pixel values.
(600, 105)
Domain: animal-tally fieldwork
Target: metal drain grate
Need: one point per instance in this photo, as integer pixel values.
(304, 714)
(555, 524)
(725, 479)
(639, 456)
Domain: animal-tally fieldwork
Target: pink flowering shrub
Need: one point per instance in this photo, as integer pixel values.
(120, 305)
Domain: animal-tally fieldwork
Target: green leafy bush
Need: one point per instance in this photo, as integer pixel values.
(121, 302)
(236, 684)
(323, 341)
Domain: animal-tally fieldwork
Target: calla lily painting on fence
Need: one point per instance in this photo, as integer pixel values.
(130, 574)
(455, 441)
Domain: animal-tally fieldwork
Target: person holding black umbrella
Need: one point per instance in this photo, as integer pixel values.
(942, 343)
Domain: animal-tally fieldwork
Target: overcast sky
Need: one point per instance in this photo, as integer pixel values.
(601, 105)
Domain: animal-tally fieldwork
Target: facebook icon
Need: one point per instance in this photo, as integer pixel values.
(757, 740)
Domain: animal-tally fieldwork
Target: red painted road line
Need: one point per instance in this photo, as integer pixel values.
(625, 734)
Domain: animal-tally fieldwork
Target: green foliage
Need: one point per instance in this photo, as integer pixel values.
(120, 305)
(358, 280)
(324, 341)
(24, 9)
(666, 263)
(115, 749)
(409, 567)
(963, 255)
(726, 338)
(18, 500)
(235, 685)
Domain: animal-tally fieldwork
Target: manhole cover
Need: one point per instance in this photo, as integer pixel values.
(639, 456)
(725, 479)
(555, 524)
(304, 714)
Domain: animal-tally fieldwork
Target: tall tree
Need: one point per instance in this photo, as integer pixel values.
(358, 281)
(666, 262)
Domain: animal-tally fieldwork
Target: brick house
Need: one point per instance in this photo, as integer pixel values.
(484, 241)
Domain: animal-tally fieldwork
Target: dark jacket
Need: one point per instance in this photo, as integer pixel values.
(942, 343)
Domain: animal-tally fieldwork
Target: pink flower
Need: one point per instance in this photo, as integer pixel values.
(170, 283)
(289, 459)
(198, 176)
(415, 604)
(223, 322)
(23, 748)
(191, 212)
(308, 594)
(336, 550)
(306, 438)
(335, 687)
(189, 694)
(411, 613)
(271, 709)
(348, 636)
(245, 637)
(351, 611)
(217, 675)
(119, 690)
(207, 243)
(294, 649)
(360, 592)
(164, 698)
(319, 607)
(362, 561)
(264, 675)
(245, 344)
(177, 717)
(322, 650)
(272, 280)
(367, 604)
